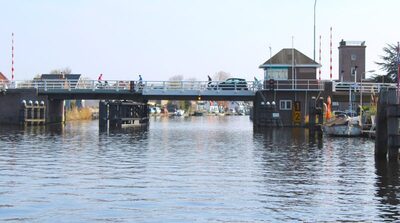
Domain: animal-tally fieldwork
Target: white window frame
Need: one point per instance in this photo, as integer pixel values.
(287, 104)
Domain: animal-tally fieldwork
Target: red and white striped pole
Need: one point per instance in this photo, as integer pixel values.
(12, 57)
(320, 62)
(330, 74)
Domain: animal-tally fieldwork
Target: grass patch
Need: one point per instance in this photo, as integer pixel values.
(79, 114)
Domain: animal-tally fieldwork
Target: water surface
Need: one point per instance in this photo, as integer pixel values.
(196, 169)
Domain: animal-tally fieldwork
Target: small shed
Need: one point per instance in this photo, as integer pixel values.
(288, 64)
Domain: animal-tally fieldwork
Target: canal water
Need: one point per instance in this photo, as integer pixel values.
(192, 169)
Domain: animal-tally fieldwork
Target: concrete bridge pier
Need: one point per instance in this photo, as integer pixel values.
(14, 112)
(117, 114)
(55, 111)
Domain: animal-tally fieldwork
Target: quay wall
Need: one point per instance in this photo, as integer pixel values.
(11, 101)
(11, 104)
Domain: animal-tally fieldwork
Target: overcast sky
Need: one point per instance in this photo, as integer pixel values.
(193, 38)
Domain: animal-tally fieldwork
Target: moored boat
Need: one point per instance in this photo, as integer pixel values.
(343, 126)
(179, 112)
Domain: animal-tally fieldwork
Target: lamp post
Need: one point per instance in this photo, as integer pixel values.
(355, 90)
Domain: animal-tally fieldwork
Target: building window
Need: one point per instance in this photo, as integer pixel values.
(353, 57)
(285, 105)
(276, 74)
(353, 71)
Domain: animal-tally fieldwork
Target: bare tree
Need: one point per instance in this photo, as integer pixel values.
(221, 76)
(178, 77)
(65, 70)
(192, 79)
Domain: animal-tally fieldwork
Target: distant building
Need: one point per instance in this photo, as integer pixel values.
(351, 61)
(72, 79)
(3, 77)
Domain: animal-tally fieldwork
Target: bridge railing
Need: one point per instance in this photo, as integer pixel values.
(67, 84)
(164, 86)
(198, 85)
(366, 87)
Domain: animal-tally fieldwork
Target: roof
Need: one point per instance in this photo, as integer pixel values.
(3, 77)
(284, 58)
(352, 43)
(71, 77)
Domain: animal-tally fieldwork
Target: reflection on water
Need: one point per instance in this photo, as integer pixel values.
(388, 189)
(186, 169)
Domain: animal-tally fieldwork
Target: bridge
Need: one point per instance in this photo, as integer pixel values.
(284, 92)
(161, 90)
(176, 90)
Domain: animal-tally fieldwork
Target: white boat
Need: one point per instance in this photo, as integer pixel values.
(343, 126)
(179, 112)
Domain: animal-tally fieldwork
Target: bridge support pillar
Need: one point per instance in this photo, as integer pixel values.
(11, 101)
(117, 114)
(55, 111)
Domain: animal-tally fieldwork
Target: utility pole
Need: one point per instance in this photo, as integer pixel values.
(315, 6)
(293, 62)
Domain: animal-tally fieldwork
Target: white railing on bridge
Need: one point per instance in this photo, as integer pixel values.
(168, 86)
(65, 84)
(146, 86)
(198, 85)
(126, 85)
(365, 87)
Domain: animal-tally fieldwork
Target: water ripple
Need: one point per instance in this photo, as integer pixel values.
(200, 169)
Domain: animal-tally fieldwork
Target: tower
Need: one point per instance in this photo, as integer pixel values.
(351, 61)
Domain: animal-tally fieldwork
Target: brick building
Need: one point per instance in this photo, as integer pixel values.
(351, 61)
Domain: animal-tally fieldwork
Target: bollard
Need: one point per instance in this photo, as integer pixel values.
(312, 113)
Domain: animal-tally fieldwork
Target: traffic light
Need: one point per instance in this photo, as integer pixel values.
(271, 84)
